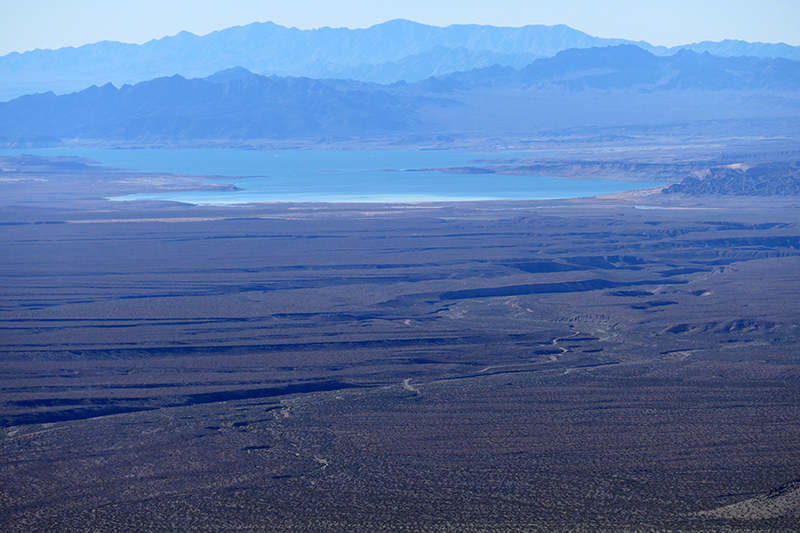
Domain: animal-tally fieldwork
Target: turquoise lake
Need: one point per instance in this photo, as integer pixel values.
(340, 175)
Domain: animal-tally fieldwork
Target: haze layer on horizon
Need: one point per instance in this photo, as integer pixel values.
(54, 24)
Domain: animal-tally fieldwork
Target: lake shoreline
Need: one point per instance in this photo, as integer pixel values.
(217, 176)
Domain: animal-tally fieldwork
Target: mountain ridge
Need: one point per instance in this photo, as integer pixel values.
(578, 88)
(384, 53)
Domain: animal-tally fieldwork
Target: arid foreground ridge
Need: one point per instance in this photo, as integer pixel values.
(610, 364)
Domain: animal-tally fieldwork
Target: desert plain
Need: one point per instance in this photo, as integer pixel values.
(624, 363)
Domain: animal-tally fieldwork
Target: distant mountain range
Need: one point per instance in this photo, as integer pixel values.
(385, 53)
(612, 86)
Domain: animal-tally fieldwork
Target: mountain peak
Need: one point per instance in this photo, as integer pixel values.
(233, 73)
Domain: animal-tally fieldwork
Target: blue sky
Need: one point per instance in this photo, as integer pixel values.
(29, 24)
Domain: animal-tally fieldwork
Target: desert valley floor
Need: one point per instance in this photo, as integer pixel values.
(511, 366)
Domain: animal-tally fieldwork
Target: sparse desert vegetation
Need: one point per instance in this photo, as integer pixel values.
(582, 365)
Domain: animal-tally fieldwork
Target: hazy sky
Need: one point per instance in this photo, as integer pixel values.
(29, 24)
